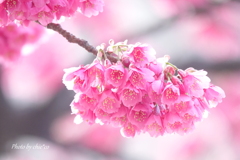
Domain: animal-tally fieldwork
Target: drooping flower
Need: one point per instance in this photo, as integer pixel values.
(83, 102)
(116, 75)
(91, 7)
(214, 95)
(139, 114)
(173, 122)
(95, 74)
(139, 77)
(195, 81)
(141, 54)
(109, 102)
(154, 126)
(119, 118)
(75, 79)
(130, 96)
(170, 94)
(129, 130)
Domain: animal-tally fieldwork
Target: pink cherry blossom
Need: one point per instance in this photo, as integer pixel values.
(139, 77)
(156, 67)
(119, 119)
(91, 7)
(83, 102)
(116, 75)
(139, 97)
(87, 116)
(46, 11)
(182, 106)
(173, 123)
(154, 126)
(95, 74)
(129, 130)
(109, 102)
(75, 74)
(194, 82)
(139, 114)
(170, 94)
(214, 95)
(141, 54)
(130, 96)
(13, 38)
(104, 117)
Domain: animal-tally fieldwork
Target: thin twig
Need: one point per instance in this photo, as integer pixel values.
(71, 38)
(81, 42)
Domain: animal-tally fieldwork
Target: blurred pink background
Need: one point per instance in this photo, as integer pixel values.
(34, 104)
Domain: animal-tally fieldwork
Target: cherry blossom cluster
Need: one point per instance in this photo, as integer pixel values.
(13, 38)
(45, 11)
(140, 93)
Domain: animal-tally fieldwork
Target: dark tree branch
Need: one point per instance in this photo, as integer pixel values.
(81, 42)
(71, 38)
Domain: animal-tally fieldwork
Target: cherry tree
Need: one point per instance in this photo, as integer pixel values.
(126, 85)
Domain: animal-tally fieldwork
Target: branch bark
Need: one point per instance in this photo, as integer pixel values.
(71, 38)
(81, 42)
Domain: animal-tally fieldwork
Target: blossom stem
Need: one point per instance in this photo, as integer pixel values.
(172, 65)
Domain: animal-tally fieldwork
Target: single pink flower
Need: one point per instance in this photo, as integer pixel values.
(83, 102)
(75, 79)
(44, 17)
(156, 67)
(104, 117)
(182, 106)
(173, 122)
(139, 77)
(10, 5)
(190, 117)
(139, 114)
(91, 7)
(87, 116)
(59, 8)
(130, 96)
(200, 106)
(169, 72)
(116, 75)
(154, 126)
(95, 74)
(214, 95)
(109, 102)
(194, 82)
(155, 91)
(192, 86)
(188, 111)
(119, 119)
(170, 94)
(129, 130)
(177, 82)
(141, 54)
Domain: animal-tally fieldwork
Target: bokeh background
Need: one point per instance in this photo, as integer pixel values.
(34, 104)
